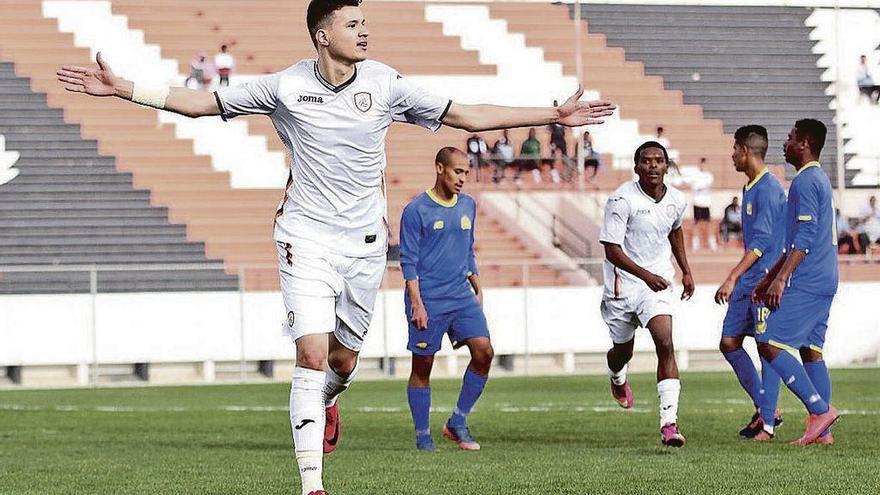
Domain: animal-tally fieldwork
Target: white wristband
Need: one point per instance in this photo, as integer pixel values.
(150, 95)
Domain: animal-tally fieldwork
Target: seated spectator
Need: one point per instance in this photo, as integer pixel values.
(866, 83)
(731, 223)
(591, 158)
(502, 156)
(224, 62)
(477, 152)
(530, 156)
(201, 71)
(869, 226)
(846, 243)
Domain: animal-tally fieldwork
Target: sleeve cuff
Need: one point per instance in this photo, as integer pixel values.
(804, 218)
(220, 106)
(409, 272)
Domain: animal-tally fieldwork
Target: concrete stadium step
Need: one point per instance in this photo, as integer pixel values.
(194, 248)
(169, 230)
(85, 223)
(63, 257)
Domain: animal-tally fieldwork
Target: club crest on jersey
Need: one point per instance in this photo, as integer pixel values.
(290, 319)
(748, 208)
(465, 223)
(363, 101)
(438, 225)
(309, 99)
(670, 211)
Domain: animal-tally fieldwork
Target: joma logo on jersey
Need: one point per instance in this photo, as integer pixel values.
(642, 212)
(309, 99)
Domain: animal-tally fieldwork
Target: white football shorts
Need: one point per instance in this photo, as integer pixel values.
(326, 293)
(624, 315)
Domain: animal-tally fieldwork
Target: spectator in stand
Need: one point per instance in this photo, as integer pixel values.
(846, 243)
(591, 158)
(731, 224)
(530, 156)
(701, 195)
(477, 152)
(502, 156)
(661, 137)
(201, 71)
(869, 226)
(866, 83)
(224, 62)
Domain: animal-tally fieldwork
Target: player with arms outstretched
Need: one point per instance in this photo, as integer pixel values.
(443, 295)
(332, 113)
(641, 232)
(800, 288)
(762, 221)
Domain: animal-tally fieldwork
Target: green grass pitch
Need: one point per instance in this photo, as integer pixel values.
(559, 435)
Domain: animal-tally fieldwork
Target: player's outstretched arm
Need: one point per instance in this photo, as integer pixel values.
(572, 113)
(103, 82)
(614, 254)
(722, 295)
(676, 241)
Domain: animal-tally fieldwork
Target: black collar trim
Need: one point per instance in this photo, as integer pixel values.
(331, 87)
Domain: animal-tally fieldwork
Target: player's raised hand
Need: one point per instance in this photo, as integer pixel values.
(419, 317)
(722, 295)
(656, 283)
(687, 281)
(88, 80)
(575, 113)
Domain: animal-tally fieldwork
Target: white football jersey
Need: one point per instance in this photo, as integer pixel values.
(641, 226)
(336, 140)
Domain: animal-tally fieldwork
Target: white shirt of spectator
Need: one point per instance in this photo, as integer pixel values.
(224, 61)
(641, 226)
(864, 76)
(871, 224)
(335, 198)
(701, 188)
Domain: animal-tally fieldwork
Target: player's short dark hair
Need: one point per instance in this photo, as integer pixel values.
(320, 11)
(753, 137)
(646, 145)
(814, 131)
(444, 156)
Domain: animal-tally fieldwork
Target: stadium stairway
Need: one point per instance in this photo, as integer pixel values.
(69, 205)
(641, 97)
(861, 36)
(741, 64)
(235, 224)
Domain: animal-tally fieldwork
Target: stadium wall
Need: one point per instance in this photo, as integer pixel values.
(222, 327)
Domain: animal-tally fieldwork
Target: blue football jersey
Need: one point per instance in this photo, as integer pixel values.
(437, 246)
(810, 227)
(763, 222)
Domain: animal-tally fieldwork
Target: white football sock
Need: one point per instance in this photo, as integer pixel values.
(336, 384)
(668, 390)
(618, 378)
(307, 425)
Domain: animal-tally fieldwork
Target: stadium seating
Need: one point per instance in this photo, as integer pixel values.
(70, 206)
(742, 65)
(641, 97)
(861, 36)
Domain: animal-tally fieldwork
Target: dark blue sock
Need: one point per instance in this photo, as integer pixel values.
(818, 373)
(471, 388)
(795, 378)
(420, 407)
(769, 393)
(746, 373)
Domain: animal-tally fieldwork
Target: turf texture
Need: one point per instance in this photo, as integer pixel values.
(540, 435)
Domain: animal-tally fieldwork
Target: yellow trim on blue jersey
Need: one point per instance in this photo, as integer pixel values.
(754, 181)
(448, 204)
(782, 346)
(758, 252)
(805, 218)
(816, 348)
(813, 163)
